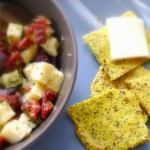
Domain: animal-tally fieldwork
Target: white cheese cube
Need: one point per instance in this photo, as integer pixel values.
(41, 72)
(26, 83)
(25, 119)
(49, 31)
(36, 92)
(6, 112)
(127, 38)
(12, 79)
(51, 46)
(56, 80)
(14, 32)
(29, 53)
(15, 130)
(28, 70)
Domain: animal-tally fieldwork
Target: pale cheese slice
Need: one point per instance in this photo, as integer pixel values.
(127, 38)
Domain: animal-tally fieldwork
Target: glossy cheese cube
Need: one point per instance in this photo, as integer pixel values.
(15, 130)
(14, 32)
(6, 112)
(41, 72)
(56, 80)
(51, 46)
(36, 92)
(12, 79)
(29, 53)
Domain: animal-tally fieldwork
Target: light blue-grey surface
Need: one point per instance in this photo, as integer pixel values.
(85, 16)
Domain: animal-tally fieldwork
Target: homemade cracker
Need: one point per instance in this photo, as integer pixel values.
(136, 73)
(112, 120)
(102, 82)
(99, 44)
(142, 87)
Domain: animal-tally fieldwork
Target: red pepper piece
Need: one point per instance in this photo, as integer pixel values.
(46, 106)
(41, 20)
(39, 33)
(26, 106)
(27, 89)
(24, 43)
(14, 61)
(46, 109)
(28, 30)
(44, 98)
(33, 108)
(2, 142)
(50, 95)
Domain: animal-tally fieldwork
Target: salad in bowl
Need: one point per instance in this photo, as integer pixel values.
(29, 77)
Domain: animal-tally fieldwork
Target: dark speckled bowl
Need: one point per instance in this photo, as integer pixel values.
(67, 61)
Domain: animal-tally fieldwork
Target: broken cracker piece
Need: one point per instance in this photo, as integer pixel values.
(102, 82)
(142, 87)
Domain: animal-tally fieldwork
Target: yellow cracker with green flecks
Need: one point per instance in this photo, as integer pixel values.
(98, 42)
(142, 87)
(102, 82)
(112, 120)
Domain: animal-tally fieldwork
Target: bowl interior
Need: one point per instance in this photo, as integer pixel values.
(67, 60)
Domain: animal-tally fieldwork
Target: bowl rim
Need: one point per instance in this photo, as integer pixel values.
(26, 144)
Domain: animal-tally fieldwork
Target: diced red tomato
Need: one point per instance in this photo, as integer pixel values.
(24, 43)
(33, 108)
(26, 106)
(2, 142)
(27, 89)
(46, 106)
(41, 20)
(14, 61)
(50, 95)
(46, 109)
(44, 98)
(39, 33)
(38, 29)
(14, 47)
(28, 30)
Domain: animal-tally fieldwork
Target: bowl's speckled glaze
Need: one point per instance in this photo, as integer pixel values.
(67, 61)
